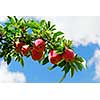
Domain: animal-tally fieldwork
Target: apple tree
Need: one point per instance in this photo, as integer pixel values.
(40, 41)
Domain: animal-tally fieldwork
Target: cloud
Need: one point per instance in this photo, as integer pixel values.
(96, 60)
(7, 76)
(81, 29)
(3, 18)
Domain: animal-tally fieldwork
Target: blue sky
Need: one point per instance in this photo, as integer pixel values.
(34, 72)
(84, 32)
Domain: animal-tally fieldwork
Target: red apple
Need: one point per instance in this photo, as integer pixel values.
(39, 45)
(54, 58)
(36, 55)
(18, 46)
(68, 55)
(25, 49)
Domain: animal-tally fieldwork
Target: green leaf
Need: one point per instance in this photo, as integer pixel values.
(69, 42)
(61, 63)
(45, 61)
(60, 50)
(79, 65)
(67, 67)
(15, 18)
(52, 27)
(42, 22)
(5, 58)
(1, 54)
(8, 59)
(48, 24)
(79, 58)
(11, 19)
(64, 76)
(52, 67)
(57, 34)
(72, 72)
(66, 70)
(22, 61)
(74, 66)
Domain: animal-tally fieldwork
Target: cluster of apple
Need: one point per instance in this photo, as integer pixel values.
(67, 55)
(22, 48)
(36, 51)
(38, 48)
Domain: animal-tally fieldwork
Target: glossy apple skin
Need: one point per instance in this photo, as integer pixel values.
(54, 58)
(36, 55)
(25, 49)
(39, 45)
(68, 55)
(18, 46)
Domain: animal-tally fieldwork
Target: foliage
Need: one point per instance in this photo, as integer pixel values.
(19, 30)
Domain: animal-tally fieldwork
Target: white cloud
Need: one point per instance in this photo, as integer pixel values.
(7, 76)
(3, 18)
(96, 60)
(82, 30)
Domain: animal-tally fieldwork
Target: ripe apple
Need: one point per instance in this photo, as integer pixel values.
(25, 49)
(54, 58)
(68, 55)
(36, 55)
(18, 46)
(39, 45)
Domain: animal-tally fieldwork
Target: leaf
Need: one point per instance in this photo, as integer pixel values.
(8, 59)
(22, 61)
(48, 24)
(11, 19)
(67, 67)
(79, 65)
(45, 61)
(57, 34)
(15, 18)
(68, 43)
(1, 54)
(35, 24)
(62, 77)
(61, 63)
(52, 67)
(42, 22)
(79, 58)
(84, 63)
(59, 49)
(72, 72)
(52, 27)
(20, 20)
(73, 65)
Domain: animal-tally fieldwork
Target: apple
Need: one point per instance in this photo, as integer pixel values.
(18, 46)
(36, 55)
(39, 45)
(25, 49)
(68, 55)
(54, 58)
